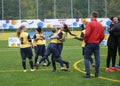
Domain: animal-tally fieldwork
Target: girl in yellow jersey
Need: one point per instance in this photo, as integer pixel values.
(25, 47)
(52, 49)
(61, 35)
(40, 42)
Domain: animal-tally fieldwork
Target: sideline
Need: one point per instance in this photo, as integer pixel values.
(100, 77)
(5, 71)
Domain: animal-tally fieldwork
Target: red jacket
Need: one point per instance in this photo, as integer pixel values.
(94, 32)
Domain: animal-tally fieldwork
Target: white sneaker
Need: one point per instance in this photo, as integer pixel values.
(62, 68)
(32, 70)
(24, 70)
(37, 62)
(44, 64)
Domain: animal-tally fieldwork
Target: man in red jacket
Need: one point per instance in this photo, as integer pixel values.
(94, 34)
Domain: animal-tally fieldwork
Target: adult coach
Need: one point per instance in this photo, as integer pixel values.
(115, 30)
(94, 34)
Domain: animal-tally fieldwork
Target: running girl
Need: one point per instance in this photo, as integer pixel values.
(52, 49)
(61, 39)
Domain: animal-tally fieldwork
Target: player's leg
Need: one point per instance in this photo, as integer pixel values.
(47, 53)
(36, 55)
(53, 63)
(23, 56)
(60, 48)
(29, 51)
(42, 53)
(56, 54)
(24, 63)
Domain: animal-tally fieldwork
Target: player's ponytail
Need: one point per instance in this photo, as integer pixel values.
(19, 30)
(66, 29)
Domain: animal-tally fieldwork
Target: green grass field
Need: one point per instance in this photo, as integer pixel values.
(11, 73)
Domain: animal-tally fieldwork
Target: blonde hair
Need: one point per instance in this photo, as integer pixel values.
(19, 30)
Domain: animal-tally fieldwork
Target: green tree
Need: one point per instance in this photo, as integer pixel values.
(113, 7)
(11, 9)
(28, 9)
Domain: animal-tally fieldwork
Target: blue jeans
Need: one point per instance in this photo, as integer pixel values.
(89, 49)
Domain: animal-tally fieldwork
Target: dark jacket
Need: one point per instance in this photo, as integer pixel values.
(112, 40)
(115, 30)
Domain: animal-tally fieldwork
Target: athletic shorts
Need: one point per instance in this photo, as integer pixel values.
(26, 52)
(40, 50)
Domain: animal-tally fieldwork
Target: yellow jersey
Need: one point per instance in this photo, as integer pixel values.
(24, 41)
(54, 40)
(63, 36)
(83, 42)
(40, 42)
(34, 43)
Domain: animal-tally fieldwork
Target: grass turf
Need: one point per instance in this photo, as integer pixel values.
(11, 60)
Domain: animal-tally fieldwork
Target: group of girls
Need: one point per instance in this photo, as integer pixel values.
(57, 38)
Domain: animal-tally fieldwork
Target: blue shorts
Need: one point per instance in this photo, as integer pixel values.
(26, 52)
(40, 50)
(52, 49)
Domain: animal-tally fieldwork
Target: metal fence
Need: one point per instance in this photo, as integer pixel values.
(49, 9)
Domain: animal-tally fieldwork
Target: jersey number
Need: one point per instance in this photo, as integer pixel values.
(22, 40)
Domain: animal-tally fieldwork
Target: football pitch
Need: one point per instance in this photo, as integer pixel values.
(11, 73)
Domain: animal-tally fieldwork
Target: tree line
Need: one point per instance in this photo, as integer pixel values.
(63, 8)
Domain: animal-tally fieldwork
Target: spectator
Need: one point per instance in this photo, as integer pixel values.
(94, 34)
(112, 48)
(115, 30)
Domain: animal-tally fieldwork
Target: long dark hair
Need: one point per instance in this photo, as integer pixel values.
(19, 30)
(39, 29)
(66, 29)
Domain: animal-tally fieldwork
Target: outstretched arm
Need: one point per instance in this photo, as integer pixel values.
(54, 37)
(70, 32)
(81, 37)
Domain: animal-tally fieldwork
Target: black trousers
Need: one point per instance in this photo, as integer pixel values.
(111, 54)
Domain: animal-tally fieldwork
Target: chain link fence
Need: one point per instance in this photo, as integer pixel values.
(49, 9)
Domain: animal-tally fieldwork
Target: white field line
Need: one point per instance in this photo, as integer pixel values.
(65, 48)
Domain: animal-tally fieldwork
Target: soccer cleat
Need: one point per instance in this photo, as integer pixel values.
(32, 70)
(67, 65)
(44, 64)
(37, 65)
(34, 65)
(109, 70)
(24, 70)
(114, 68)
(64, 69)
